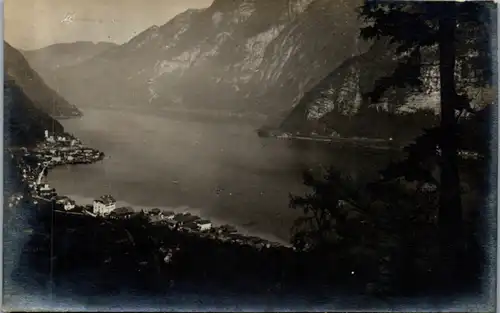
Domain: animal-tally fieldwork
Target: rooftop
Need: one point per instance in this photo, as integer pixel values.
(191, 225)
(185, 218)
(123, 211)
(155, 211)
(106, 199)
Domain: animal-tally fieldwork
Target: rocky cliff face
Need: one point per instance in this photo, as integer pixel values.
(341, 91)
(252, 56)
(307, 49)
(43, 97)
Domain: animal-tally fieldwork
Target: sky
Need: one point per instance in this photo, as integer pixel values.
(34, 24)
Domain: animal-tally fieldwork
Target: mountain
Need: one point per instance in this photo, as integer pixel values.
(341, 90)
(58, 55)
(24, 122)
(42, 96)
(243, 56)
(336, 102)
(339, 102)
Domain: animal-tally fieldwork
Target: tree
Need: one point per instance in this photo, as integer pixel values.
(457, 30)
(338, 229)
(333, 199)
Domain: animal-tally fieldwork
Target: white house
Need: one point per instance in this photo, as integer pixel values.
(44, 190)
(203, 225)
(44, 187)
(104, 205)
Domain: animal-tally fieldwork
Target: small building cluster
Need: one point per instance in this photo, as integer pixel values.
(61, 149)
(64, 149)
(185, 221)
(122, 213)
(61, 138)
(190, 223)
(45, 191)
(33, 165)
(65, 203)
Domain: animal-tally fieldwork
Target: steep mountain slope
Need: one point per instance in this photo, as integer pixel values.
(340, 93)
(24, 123)
(58, 55)
(309, 48)
(254, 56)
(43, 97)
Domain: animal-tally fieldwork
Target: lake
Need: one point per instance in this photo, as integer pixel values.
(219, 170)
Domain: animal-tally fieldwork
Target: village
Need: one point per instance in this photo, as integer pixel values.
(62, 149)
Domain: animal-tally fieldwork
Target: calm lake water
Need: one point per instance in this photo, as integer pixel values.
(219, 170)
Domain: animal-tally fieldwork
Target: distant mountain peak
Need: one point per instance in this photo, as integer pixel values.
(257, 56)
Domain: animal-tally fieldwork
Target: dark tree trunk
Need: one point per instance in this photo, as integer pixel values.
(396, 100)
(365, 103)
(450, 206)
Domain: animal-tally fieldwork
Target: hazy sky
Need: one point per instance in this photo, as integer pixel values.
(32, 24)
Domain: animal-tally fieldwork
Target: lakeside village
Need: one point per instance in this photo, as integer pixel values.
(63, 149)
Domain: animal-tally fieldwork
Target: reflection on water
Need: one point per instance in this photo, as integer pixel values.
(222, 169)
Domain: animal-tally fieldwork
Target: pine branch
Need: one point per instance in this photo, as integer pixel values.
(406, 74)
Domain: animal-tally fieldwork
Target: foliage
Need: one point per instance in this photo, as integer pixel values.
(448, 26)
(381, 234)
(413, 27)
(333, 201)
(423, 153)
(391, 224)
(398, 217)
(373, 123)
(337, 228)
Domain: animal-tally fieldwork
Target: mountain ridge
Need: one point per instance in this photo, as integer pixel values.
(234, 41)
(269, 58)
(64, 54)
(17, 69)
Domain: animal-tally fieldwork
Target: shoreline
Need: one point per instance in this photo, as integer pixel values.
(82, 201)
(368, 143)
(97, 156)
